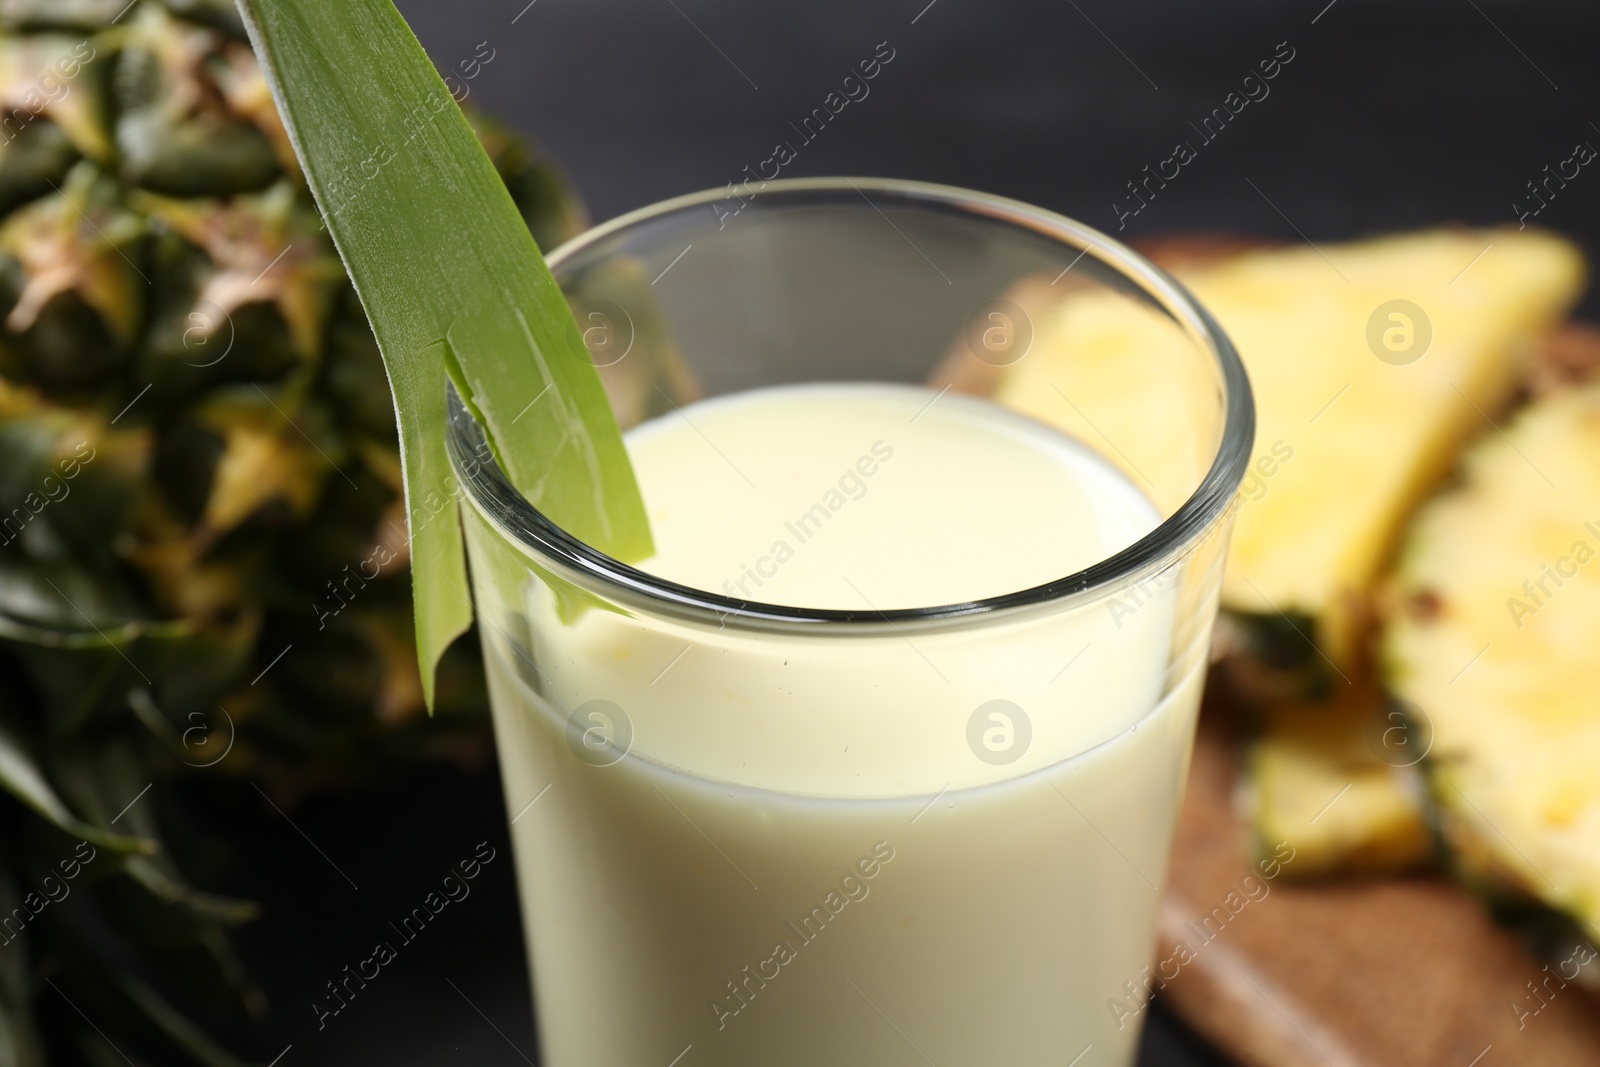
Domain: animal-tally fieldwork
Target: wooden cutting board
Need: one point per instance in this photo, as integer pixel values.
(1379, 972)
(1391, 972)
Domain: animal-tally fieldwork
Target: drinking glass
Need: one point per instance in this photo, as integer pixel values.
(944, 835)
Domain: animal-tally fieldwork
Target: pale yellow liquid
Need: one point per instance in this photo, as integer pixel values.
(665, 895)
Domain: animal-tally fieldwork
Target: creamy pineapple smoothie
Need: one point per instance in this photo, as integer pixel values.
(803, 846)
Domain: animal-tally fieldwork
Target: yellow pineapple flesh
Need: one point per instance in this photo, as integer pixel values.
(1339, 780)
(1358, 412)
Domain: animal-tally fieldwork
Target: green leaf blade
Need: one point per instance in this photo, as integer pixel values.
(22, 777)
(438, 251)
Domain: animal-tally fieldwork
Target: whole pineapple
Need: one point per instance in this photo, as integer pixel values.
(202, 551)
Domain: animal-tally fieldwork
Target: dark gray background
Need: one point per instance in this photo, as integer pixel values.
(1392, 114)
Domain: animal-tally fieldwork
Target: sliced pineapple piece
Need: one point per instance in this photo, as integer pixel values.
(1493, 633)
(1339, 781)
(1358, 411)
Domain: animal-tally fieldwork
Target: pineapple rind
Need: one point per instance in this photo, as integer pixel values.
(1506, 671)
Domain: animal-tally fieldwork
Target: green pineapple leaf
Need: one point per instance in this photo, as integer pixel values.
(455, 287)
(21, 777)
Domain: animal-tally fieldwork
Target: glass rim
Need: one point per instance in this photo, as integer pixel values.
(516, 518)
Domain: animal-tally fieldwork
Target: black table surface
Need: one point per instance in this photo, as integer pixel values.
(1387, 115)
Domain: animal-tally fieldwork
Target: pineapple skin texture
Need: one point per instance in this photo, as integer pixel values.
(162, 264)
(1346, 443)
(1508, 673)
